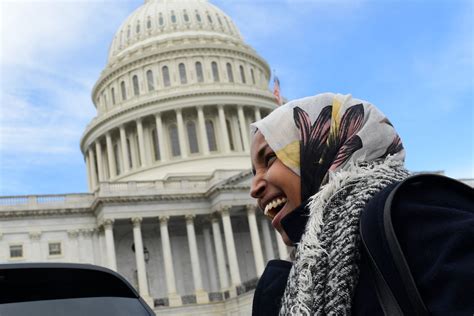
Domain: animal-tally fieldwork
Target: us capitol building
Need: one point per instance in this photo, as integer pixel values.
(167, 159)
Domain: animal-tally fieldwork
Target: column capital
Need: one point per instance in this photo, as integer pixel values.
(136, 221)
(251, 208)
(189, 218)
(87, 232)
(108, 223)
(73, 233)
(164, 219)
(158, 115)
(224, 210)
(35, 235)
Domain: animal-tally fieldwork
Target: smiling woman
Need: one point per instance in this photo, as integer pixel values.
(319, 163)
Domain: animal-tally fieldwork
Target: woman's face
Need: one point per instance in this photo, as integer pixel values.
(276, 187)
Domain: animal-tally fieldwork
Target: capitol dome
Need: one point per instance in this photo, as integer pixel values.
(176, 96)
(160, 20)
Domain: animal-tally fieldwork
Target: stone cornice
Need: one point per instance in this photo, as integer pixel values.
(14, 214)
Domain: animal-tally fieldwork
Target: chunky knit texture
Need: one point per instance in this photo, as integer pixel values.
(325, 271)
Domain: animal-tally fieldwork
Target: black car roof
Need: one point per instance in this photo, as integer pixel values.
(21, 282)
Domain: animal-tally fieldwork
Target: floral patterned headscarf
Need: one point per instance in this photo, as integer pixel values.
(317, 135)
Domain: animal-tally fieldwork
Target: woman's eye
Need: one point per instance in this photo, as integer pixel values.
(269, 159)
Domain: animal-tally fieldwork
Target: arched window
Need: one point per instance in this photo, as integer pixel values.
(219, 20)
(174, 140)
(166, 76)
(173, 17)
(104, 97)
(209, 18)
(185, 16)
(124, 91)
(230, 74)
(156, 145)
(112, 92)
(128, 32)
(182, 74)
(160, 20)
(215, 71)
(136, 90)
(211, 135)
(253, 75)
(242, 74)
(117, 159)
(199, 74)
(148, 23)
(192, 137)
(198, 17)
(229, 133)
(150, 81)
(138, 27)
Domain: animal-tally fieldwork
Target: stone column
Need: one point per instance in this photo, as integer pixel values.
(201, 295)
(140, 260)
(73, 246)
(87, 245)
(88, 170)
(109, 244)
(282, 250)
(254, 236)
(223, 128)
(100, 169)
(161, 139)
(211, 267)
(231, 252)
(267, 239)
(35, 238)
(141, 143)
(110, 155)
(258, 116)
(181, 134)
(220, 256)
(92, 169)
(173, 297)
(123, 142)
(243, 128)
(202, 130)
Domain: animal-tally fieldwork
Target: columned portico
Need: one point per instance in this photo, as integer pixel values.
(140, 260)
(231, 252)
(256, 246)
(173, 297)
(243, 128)
(223, 128)
(201, 295)
(202, 131)
(282, 250)
(161, 138)
(220, 255)
(109, 244)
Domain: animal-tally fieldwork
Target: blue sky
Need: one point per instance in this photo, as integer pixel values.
(413, 59)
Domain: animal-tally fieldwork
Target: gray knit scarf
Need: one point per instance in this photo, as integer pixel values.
(325, 271)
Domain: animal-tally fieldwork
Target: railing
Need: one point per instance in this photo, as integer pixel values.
(151, 187)
(28, 201)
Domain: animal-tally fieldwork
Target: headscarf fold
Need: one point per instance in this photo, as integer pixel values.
(324, 133)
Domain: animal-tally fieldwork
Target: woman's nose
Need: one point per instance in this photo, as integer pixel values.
(257, 187)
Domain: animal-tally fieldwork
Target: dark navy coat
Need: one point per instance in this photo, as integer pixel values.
(435, 228)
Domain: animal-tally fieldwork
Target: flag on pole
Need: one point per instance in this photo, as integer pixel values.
(276, 90)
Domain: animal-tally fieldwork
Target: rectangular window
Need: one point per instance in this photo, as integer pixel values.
(16, 251)
(54, 248)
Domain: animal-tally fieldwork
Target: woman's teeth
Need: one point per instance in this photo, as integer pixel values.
(270, 209)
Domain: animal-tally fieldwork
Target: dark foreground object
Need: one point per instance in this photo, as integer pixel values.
(52, 289)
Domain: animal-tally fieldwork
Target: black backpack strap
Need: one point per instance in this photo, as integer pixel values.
(395, 249)
(396, 289)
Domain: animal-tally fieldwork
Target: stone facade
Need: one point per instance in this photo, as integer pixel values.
(167, 160)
